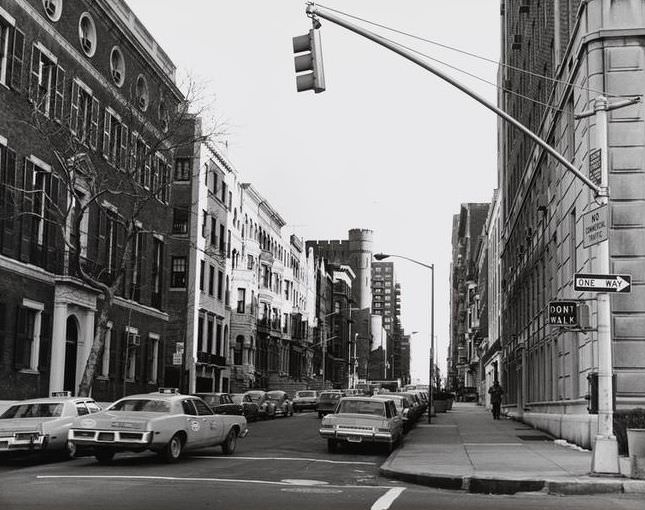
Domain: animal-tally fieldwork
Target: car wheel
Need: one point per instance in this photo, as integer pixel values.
(172, 451)
(291, 412)
(104, 455)
(332, 445)
(229, 444)
(69, 452)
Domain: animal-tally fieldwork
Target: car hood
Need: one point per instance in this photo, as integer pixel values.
(118, 420)
(23, 424)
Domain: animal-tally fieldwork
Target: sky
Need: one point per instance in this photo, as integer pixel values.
(388, 146)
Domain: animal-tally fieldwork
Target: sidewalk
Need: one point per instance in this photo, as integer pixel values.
(465, 449)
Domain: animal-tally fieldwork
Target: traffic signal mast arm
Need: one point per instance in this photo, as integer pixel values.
(314, 11)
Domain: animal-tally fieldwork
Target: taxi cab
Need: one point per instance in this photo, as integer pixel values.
(165, 422)
(362, 420)
(42, 424)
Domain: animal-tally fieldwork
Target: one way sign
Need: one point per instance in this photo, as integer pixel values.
(603, 282)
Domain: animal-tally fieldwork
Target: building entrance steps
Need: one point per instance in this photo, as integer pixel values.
(465, 449)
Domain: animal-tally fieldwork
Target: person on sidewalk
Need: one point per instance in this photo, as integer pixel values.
(496, 393)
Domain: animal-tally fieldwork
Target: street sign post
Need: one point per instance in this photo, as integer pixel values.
(594, 226)
(603, 282)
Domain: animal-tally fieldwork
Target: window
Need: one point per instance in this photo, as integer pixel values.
(210, 322)
(157, 271)
(200, 332)
(81, 409)
(142, 93)
(40, 193)
(53, 9)
(211, 281)
(204, 223)
(152, 363)
(84, 114)
(214, 231)
(87, 34)
(111, 242)
(115, 141)
(11, 62)
(43, 82)
(178, 272)
(138, 251)
(6, 28)
(28, 334)
(241, 301)
(117, 66)
(182, 169)
(180, 221)
(202, 270)
(220, 285)
(163, 116)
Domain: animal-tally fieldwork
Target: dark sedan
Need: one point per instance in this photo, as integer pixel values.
(251, 409)
(327, 402)
(221, 403)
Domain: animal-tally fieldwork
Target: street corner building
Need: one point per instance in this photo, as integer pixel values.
(91, 125)
(545, 226)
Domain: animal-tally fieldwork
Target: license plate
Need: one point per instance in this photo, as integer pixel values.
(354, 439)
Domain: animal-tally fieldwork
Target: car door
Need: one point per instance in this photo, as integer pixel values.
(194, 425)
(396, 420)
(212, 425)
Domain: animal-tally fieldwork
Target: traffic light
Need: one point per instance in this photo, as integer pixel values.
(308, 62)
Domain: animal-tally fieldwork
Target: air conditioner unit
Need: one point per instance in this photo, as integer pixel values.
(134, 340)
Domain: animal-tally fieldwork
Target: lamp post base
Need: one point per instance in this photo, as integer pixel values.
(605, 456)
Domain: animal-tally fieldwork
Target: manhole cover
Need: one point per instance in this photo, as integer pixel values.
(534, 438)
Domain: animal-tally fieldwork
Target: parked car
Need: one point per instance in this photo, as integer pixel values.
(41, 424)
(327, 402)
(403, 407)
(283, 404)
(250, 409)
(416, 407)
(165, 422)
(363, 420)
(305, 399)
(266, 407)
(352, 392)
(221, 403)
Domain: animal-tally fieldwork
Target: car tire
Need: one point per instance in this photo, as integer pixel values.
(69, 452)
(332, 445)
(173, 450)
(229, 444)
(104, 455)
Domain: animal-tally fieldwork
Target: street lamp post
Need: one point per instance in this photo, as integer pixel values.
(381, 256)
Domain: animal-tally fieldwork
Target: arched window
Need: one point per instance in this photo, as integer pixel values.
(237, 353)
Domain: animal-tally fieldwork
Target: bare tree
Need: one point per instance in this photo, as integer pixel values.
(107, 179)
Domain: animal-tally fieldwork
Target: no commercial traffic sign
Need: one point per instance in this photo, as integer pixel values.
(603, 282)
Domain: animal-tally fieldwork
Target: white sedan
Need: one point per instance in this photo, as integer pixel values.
(165, 422)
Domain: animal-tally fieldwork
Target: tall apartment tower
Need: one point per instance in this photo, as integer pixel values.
(572, 51)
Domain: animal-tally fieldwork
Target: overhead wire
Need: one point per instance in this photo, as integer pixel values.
(470, 54)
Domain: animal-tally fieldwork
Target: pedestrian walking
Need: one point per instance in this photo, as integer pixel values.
(496, 393)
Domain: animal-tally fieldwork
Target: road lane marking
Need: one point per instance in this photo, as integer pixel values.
(299, 481)
(493, 444)
(186, 479)
(386, 500)
(313, 490)
(284, 458)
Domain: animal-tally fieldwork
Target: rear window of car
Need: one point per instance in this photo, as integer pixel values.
(329, 396)
(33, 411)
(142, 405)
(274, 395)
(362, 407)
(306, 394)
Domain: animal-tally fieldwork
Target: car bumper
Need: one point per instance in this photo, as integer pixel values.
(109, 438)
(23, 441)
(304, 405)
(352, 436)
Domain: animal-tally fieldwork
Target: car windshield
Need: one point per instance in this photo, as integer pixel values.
(35, 410)
(255, 397)
(274, 395)
(329, 396)
(306, 394)
(142, 405)
(237, 398)
(361, 407)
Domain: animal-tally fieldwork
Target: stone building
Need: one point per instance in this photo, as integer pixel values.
(87, 104)
(573, 51)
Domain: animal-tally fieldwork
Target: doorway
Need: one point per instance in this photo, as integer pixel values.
(71, 348)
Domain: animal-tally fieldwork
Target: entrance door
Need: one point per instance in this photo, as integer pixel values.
(71, 346)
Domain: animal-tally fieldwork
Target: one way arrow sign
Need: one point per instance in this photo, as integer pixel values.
(603, 282)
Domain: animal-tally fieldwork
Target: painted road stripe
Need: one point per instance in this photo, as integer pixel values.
(185, 479)
(386, 500)
(421, 425)
(284, 458)
(493, 444)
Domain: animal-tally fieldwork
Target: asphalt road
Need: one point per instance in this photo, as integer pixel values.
(281, 464)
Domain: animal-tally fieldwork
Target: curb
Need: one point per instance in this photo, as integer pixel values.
(491, 485)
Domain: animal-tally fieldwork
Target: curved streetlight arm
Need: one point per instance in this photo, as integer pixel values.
(313, 10)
